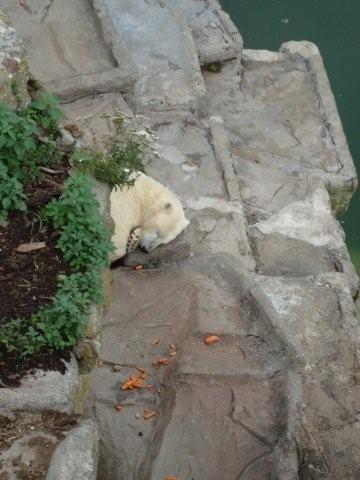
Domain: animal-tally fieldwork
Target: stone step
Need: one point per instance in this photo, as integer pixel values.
(302, 238)
(177, 310)
(215, 36)
(77, 60)
(317, 317)
(221, 431)
(160, 44)
(277, 113)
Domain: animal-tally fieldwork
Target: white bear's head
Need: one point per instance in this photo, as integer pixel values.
(163, 222)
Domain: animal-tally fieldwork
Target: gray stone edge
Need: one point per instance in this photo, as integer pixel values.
(73, 88)
(219, 141)
(198, 103)
(234, 50)
(112, 40)
(327, 104)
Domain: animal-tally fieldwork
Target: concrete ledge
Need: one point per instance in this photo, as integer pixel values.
(72, 88)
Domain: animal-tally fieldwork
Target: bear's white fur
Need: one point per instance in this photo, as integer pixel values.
(149, 208)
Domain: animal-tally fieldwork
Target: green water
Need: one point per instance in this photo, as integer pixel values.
(334, 26)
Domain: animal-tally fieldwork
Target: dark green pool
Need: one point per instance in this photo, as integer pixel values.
(334, 26)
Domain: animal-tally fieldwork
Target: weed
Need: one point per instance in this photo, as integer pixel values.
(11, 194)
(60, 324)
(116, 167)
(16, 139)
(47, 154)
(20, 151)
(45, 112)
(84, 240)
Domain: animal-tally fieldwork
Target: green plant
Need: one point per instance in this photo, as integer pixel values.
(15, 87)
(59, 324)
(45, 112)
(20, 150)
(62, 323)
(117, 167)
(11, 194)
(47, 154)
(84, 239)
(16, 139)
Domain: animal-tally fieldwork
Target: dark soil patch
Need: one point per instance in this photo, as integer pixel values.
(13, 369)
(40, 433)
(28, 281)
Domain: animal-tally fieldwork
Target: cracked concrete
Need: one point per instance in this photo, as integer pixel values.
(255, 150)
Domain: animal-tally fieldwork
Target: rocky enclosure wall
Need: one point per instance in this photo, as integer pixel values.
(252, 143)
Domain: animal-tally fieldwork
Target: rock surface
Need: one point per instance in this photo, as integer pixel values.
(43, 391)
(254, 148)
(76, 456)
(76, 61)
(14, 69)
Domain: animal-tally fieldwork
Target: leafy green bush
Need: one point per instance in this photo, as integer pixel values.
(60, 324)
(45, 155)
(116, 166)
(11, 194)
(16, 139)
(84, 240)
(20, 151)
(45, 112)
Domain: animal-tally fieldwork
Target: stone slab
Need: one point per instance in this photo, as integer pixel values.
(208, 438)
(215, 36)
(77, 61)
(76, 457)
(269, 104)
(43, 390)
(317, 316)
(160, 44)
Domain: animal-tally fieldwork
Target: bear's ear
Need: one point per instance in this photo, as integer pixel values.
(167, 206)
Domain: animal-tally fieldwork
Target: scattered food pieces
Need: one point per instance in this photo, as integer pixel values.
(211, 339)
(161, 361)
(149, 414)
(117, 368)
(156, 341)
(133, 382)
(30, 247)
(170, 478)
(138, 267)
(119, 408)
(172, 354)
(137, 415)
(149, 387)
(100, 363)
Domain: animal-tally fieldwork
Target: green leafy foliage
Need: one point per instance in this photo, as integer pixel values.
(11, 194)
(16, 139)
(45, 112)
(20, 150)
(45, 155)
(60, 324)
(84, 239)
(116, 166)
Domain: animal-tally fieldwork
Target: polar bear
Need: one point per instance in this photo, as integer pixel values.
(146, 214)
